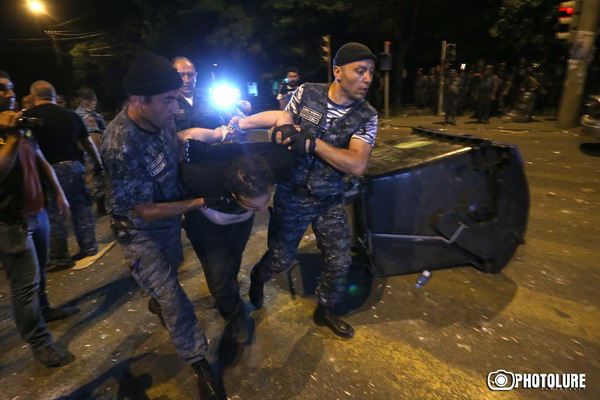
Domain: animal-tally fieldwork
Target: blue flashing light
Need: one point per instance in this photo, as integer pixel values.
(224, 95)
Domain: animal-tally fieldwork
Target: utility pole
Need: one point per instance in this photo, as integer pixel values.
(441, 88)
(580, 56)
(52, 35)
(386, 84)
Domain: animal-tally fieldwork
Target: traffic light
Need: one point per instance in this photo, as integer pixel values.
(385, 61)
(326, 49)
(566, 19)
(450, 51)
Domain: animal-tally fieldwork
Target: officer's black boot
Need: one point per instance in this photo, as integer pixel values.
(239, 326)
(256, 293)
(207, 386)
(323, 316)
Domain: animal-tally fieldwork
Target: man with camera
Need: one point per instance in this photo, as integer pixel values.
(288, 87)
(59, 137)
(24, 231)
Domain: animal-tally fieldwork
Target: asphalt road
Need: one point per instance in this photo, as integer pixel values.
(540, 315)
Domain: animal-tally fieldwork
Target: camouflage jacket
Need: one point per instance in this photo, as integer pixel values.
(93, 121)
(311, 114)
(142, 167)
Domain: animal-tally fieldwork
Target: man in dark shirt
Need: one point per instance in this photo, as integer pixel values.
(59, 138)
(24, 232)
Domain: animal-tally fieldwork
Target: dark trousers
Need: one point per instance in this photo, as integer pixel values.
(71, 175)
(219, 248)
(484, 105)
(292, 213)
(19, 257)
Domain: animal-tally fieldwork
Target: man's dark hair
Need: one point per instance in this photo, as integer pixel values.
(292, 69)
(249, 176)
(4, 75)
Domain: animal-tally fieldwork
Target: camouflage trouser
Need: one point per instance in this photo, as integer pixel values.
(291, 215)
(71, 175)
(96, 181)
(154, 258)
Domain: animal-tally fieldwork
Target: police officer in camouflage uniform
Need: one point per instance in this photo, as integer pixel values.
(338, 129)
(95, 125)
(141, 152)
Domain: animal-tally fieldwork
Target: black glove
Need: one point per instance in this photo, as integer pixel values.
(212, 202)
(298, 143)
(287, 131)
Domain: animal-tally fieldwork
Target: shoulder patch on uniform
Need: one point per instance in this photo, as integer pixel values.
(156, 166)
(310, 115)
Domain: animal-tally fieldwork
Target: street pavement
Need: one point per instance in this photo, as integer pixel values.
(540, 315)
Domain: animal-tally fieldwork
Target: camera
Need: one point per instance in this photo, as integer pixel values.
(29, 122)
(501, 380)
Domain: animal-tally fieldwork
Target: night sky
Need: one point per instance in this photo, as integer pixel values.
(27, 53)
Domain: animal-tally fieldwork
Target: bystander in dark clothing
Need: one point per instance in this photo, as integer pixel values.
(452, 92)
(421, 89)
(59, 137)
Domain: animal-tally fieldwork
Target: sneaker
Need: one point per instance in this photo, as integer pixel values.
(83, 254)
(53, 356)
(61, 264)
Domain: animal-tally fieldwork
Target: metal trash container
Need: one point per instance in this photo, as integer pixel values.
(436, 200)
(590, 121)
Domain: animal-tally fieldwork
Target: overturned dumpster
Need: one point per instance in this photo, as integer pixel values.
(435, 200)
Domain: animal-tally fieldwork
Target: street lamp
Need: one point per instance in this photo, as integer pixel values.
(36, 6)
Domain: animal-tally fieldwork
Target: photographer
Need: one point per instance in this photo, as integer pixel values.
(288, 87)
(24, 231)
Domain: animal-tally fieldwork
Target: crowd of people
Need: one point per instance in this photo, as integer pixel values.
(484, 90)
(324, 132)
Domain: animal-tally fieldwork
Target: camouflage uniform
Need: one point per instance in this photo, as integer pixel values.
(142, 167)
(313, 193)
(71, 175)
(94, 122)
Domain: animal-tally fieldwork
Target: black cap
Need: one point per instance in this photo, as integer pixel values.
(150, 74)
(352, 52)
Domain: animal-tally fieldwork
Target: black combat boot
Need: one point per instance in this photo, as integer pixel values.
(323, 316)
(207, 386)
(239, 326)
(256, 292)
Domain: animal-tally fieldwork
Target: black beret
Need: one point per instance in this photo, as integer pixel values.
(150, 74)
(352, 52)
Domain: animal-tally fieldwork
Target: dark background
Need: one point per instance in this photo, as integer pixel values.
(256, 41)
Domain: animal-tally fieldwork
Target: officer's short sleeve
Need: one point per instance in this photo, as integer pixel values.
(129, 182)
(294, 104)
(368, 132)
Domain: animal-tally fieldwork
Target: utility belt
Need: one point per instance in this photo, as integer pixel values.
(124, 231)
